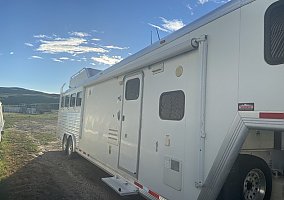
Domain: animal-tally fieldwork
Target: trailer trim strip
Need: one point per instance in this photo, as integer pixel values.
(151, 192)
(267, 115)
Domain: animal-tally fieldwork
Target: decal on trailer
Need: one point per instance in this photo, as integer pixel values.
(246, 107)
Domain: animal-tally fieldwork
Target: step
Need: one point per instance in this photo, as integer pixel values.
(121, 186)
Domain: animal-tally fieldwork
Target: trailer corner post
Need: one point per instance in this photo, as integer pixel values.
(62, 87)
(203, 51)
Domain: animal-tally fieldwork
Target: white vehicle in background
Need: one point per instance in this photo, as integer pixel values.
(198, 115)
(1, 122)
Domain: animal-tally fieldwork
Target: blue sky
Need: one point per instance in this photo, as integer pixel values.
(44, 42)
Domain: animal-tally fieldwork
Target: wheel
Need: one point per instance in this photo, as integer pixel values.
(249, 179)
(70, 148)
(64, 144)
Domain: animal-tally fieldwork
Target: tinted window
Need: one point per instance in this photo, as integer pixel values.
(132, 89)
(79, 99)
(73, 100)
(274, 34)
(172, 105)
(67, 99)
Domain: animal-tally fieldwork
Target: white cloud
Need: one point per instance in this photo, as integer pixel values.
(190, 9)
(172, 25)
(35, 57)
(56, 60)
(63, 58)
(42, 36)
(29, 44)
(96, 31)
(79, 34)
(214, 1)
(96, 39)
(158, 27)
(107, 60)
(115, 47)
(68, 45)
(11, 53)
(169, 25)
(202, 1)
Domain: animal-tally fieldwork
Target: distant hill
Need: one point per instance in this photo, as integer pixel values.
(16, 96)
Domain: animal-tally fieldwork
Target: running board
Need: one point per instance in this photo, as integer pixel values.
(121, 186)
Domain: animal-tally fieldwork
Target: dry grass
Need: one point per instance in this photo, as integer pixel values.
(26, 137)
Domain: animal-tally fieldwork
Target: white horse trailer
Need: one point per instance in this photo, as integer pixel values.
(1, 121)
(198, 115)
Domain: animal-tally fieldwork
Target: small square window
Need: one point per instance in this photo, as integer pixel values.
(79, 99)
(172, 105)
(132, 89)
(62, 102)
(67, 99)
(73, 100)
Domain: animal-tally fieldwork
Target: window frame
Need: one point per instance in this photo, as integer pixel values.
(126, 96)
(160, 106)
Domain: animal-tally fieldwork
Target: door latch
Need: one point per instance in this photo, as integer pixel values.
(157, 145)
(118, 115)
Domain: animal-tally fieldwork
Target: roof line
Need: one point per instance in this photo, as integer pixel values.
(211, 16)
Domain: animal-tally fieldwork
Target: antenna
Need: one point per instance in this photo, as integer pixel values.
(158, 33)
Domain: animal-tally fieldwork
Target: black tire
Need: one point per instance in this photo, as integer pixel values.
(64, 144)
(70, 148)
(247, 178)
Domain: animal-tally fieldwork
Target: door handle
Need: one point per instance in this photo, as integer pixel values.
(118, 115)
(123, 117)
(157, 145)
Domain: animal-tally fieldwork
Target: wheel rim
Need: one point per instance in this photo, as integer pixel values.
(70, 148)
(254, 185)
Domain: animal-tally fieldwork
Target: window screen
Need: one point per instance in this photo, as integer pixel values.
(62, 101)
(274, 34)
(67, 101)
(172, 105)
(79, 99)
(73, 100)
(132, 89)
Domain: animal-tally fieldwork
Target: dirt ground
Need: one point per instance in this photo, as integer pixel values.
(33, 166)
